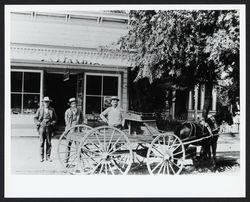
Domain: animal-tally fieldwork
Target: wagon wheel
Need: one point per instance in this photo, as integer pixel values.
(105, 150)
(166, 155)
(68, 146)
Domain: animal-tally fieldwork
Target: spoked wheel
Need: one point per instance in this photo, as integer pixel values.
(166, 155)
(105, 150)
(68, 146)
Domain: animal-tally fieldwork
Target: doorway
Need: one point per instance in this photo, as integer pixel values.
(59, 92)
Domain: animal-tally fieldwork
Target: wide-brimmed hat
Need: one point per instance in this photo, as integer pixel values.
(72, 100)
(114, 98)
(46, 99)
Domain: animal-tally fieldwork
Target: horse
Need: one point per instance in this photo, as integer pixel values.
(192, 131)
(207, 131)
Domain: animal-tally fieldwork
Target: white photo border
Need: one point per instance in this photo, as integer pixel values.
(215, 185)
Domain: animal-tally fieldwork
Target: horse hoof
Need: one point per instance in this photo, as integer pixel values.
(213, 165)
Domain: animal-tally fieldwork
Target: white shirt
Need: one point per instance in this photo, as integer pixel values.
(114, 116)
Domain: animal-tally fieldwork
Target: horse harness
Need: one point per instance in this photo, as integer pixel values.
(193, 128)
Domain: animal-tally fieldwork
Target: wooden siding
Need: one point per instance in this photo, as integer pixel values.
(59, 32)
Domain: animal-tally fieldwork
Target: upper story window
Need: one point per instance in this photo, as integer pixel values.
(25, 92)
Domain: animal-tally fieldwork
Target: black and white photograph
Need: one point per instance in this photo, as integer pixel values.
(125, 96)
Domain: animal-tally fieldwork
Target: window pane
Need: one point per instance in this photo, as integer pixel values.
(30, 103)
(93, 85)
(16, 81)
(16, 100)
(31, 82)
(110, 85)
(93, 105)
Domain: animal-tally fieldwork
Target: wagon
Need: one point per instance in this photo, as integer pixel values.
(108, 150)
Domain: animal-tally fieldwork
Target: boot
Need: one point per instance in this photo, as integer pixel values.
(48, 159)
(41, 159)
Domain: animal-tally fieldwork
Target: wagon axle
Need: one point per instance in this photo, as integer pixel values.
(105, 156)
(167, 156)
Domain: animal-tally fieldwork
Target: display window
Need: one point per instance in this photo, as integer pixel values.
(25, 92)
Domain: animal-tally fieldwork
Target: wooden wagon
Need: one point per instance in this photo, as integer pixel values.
(108, 150)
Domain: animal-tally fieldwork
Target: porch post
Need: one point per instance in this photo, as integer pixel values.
(202, 96)
(190, 103)
(173, 104)
(214, 95)
(195, 101)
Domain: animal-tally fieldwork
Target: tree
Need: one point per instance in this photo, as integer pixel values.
(185, 47)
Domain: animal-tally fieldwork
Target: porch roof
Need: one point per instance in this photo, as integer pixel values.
(70, 55)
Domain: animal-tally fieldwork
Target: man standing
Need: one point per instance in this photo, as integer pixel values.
(113, 115)
(73, 115)
(45, 120)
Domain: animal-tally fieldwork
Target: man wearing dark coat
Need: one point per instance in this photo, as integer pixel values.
(45, 120)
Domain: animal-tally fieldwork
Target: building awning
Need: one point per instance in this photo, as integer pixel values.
(70, 55)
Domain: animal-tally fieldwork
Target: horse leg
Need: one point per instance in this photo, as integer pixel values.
(204, 152)
(214, 148)
(209, 149)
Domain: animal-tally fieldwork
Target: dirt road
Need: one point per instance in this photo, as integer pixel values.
(25, 158)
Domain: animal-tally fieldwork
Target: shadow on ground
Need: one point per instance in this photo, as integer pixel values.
(223, 164)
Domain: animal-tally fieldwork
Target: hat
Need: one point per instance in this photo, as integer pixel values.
(46, 99)
(72, 100)
(114, 98)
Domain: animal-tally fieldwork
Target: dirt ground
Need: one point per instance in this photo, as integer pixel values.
(25, 158)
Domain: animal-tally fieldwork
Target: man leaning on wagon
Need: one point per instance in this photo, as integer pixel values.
(113, 115)
(45, 120)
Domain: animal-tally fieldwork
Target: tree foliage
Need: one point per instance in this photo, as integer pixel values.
(185, 47)
(183, 44)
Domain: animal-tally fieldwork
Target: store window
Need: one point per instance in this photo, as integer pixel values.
(25, 92)
(99, 89)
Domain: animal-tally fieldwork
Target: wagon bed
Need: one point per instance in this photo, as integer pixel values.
(78, 136)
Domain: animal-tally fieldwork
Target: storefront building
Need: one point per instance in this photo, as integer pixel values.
(63, 55)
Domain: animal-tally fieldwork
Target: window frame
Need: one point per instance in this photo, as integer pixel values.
(22, 93)
(101, 75)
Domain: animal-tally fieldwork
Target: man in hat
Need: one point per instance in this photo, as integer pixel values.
(45, 120)
(113, 115)
(73, 115)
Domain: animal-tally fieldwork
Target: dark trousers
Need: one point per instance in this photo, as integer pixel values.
(71, 150)
(45, 133)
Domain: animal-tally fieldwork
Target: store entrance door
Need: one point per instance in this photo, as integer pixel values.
(60, 91)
